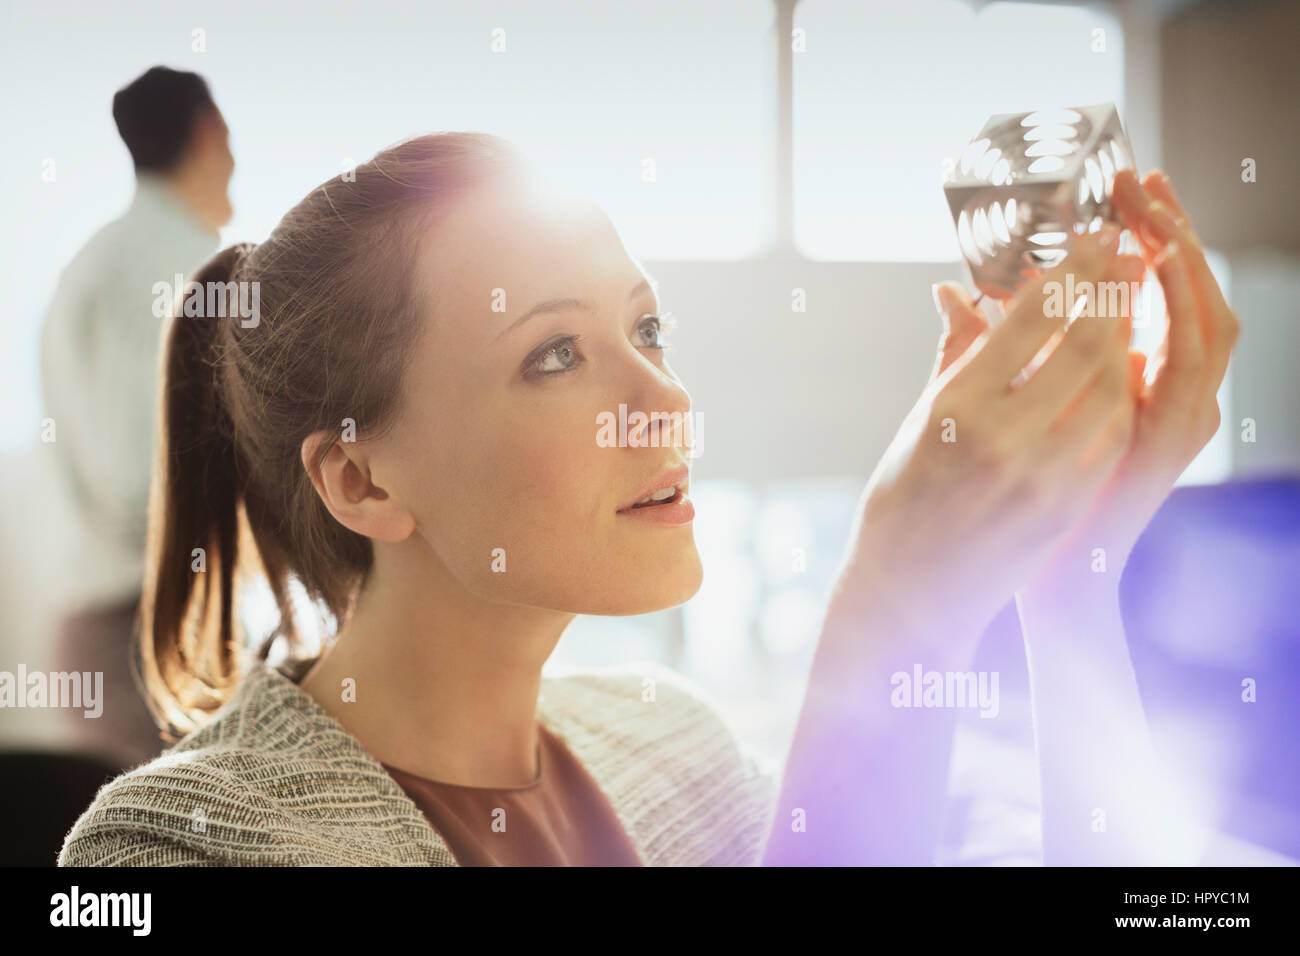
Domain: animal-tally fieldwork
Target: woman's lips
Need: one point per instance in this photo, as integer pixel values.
(677, 477)
(676, 510)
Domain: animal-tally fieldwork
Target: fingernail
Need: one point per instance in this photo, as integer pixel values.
(1108, 235)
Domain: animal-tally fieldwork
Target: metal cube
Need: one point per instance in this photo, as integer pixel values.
(1028, 181)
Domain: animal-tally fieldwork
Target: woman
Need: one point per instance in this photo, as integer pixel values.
(407, 429)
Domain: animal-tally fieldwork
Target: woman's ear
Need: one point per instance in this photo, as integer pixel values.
(343, 481)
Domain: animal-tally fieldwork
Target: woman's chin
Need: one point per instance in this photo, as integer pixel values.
(649, 591)
(680, 586)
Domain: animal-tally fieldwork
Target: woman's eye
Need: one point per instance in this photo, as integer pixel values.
(561, 357)
(655, 328)
(564, 356)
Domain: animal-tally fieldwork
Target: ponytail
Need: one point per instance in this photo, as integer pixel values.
(188, 652)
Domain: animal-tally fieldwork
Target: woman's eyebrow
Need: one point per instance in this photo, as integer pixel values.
(561, 305)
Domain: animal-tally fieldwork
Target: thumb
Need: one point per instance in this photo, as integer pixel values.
(963, 323)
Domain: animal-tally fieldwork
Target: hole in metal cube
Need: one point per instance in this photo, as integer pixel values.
(966, 240)
(1093, 172)
(1051, 147)
(1049, 117)
(1057, 131)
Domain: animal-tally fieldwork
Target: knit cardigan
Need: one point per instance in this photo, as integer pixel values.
(273, 779)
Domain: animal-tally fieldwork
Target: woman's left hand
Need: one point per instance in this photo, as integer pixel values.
(1177, 412)
(1094, 747)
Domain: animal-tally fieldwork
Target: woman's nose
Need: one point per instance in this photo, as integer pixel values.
(665, 412)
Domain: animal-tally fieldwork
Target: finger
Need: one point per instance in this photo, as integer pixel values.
(1089, 341)
(1157, 184)
(1180, 376)
(1159, 220)
(1218, 322)
(1033, 315)
(1130, 203)
(963, 323)
(1168, 229)
(1161, 224)
(1220, 327)
(1136, 205)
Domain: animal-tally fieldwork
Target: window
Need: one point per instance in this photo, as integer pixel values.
(661, 113)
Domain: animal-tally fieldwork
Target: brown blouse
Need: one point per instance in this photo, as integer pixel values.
(560, 819)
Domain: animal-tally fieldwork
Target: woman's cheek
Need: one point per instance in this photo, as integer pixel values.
(557, 474)
(516, 515)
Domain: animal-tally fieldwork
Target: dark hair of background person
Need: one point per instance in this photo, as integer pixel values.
(156, 113)
(341, 307)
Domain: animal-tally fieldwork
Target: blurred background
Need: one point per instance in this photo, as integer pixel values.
(753, 153)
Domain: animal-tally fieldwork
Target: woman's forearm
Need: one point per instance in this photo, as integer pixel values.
(1105, 799)
(865, 781)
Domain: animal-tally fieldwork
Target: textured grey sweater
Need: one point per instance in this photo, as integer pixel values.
(272, 779)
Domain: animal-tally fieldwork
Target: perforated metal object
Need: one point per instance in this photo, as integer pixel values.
(1028, 181)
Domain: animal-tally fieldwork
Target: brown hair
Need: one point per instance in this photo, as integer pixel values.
(339, 306)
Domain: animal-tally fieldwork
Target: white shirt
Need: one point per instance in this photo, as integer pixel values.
(100, 377)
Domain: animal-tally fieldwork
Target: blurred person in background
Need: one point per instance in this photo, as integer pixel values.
(99, 355)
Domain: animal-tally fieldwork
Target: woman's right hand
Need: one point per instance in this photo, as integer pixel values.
(987, 472)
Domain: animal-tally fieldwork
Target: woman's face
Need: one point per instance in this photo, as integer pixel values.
(497, 441)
